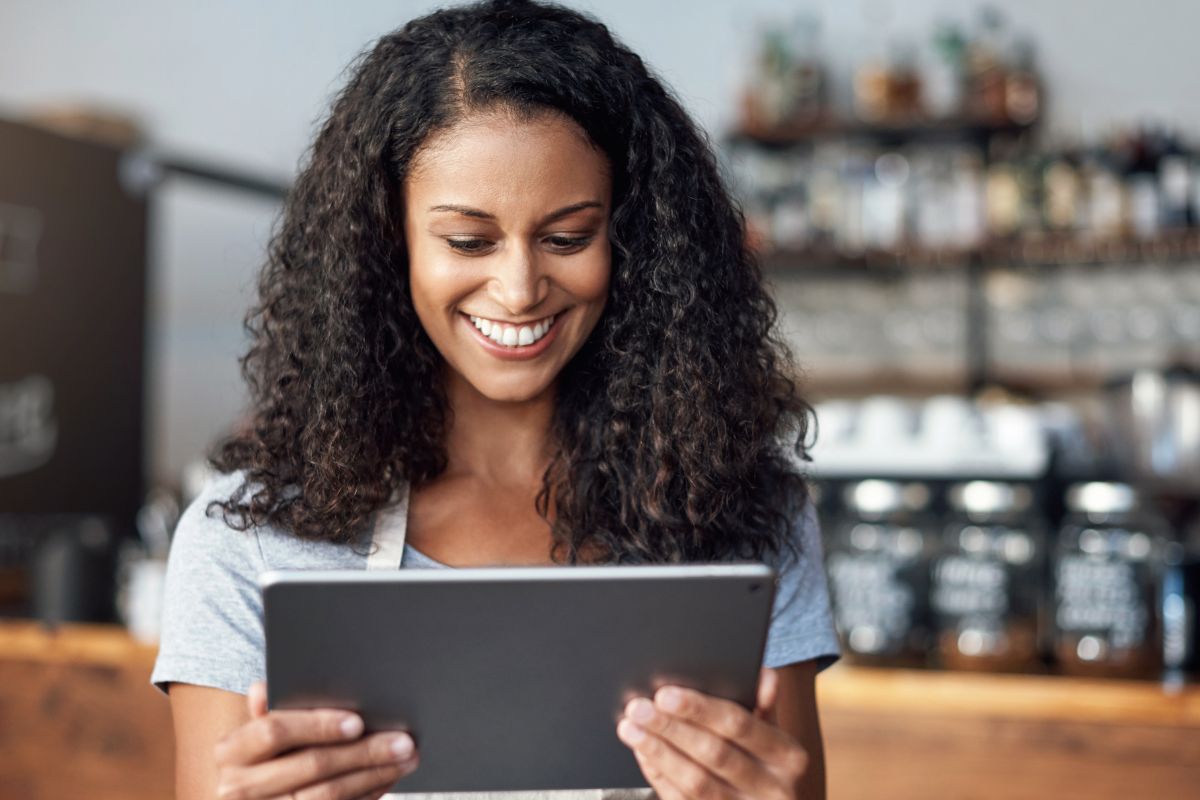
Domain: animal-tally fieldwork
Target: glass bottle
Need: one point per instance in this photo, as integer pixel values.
(1022, 92)
(1063, 193)
(1105, 196)
(805, 76)
(1003, 197)
(943, 76)
(903, 101)
(986, 73)
(1174, 177)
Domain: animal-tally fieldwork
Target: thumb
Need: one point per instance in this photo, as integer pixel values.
(768, 691)
(256, 699)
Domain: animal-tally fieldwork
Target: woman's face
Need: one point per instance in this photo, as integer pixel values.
(506, 224)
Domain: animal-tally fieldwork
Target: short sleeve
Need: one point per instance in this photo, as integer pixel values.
(212, 631)
(801, 621)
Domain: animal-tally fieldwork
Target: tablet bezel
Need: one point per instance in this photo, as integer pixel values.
(679, 588)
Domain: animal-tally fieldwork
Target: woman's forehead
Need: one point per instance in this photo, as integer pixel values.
(502, 159)
(481, 131)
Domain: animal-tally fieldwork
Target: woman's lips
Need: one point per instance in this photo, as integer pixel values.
(518, 352)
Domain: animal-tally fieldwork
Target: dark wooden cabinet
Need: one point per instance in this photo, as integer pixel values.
(72, 326)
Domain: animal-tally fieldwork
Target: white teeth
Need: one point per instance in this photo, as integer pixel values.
(509, 336)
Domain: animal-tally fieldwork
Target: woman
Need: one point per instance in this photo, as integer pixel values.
(507, 318)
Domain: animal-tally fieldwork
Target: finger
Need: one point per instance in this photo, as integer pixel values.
(728, 720)
(689, 777)
(256, 699)
(768, 693)
(280, 731)
(375, 795)
(663, 788)
(719, 756)
(312, 765)
(355, 784)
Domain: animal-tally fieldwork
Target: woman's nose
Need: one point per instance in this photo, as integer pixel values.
(518, 283)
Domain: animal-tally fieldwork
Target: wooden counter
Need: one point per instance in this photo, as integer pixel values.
(78, 718)
(912, 734)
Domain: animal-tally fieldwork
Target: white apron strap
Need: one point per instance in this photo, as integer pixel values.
(389, 528)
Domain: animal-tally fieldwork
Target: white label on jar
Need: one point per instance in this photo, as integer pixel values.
(868, 595)
(967, 586)
(1100, 598)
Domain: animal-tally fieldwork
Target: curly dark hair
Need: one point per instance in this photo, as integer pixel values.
(678, 429)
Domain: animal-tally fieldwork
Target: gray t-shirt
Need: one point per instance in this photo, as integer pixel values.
(212, 624)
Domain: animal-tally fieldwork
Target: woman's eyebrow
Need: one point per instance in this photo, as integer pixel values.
(476, 213)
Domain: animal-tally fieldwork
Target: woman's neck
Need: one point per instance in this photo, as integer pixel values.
(503, 444)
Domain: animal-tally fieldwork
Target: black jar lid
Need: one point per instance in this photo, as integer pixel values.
(878, 498)
(982, 498)
(1102, 497)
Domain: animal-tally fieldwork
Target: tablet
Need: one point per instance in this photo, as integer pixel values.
(513, 678)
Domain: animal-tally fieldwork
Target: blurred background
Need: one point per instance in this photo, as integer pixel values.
(981, 222)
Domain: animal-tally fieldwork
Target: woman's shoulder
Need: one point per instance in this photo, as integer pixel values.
(801, 621)
(204, 538)
(208, 532)
(803, 540)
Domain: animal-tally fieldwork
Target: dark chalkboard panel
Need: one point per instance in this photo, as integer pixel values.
(72, 327)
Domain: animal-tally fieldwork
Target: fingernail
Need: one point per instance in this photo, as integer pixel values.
(641, 710)
(631, 732)
(352, 726)
(402, 746)
(670, 699)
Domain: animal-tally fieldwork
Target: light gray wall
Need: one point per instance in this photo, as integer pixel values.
(246, 82)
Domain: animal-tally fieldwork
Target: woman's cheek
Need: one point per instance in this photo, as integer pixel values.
(590, 284)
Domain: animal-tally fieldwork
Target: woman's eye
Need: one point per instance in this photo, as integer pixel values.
(560, 243)
(568, 242)
(468, 245)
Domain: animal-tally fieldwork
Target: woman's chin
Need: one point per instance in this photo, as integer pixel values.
(510, 391)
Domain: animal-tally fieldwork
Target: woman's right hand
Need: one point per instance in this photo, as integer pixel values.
(308, 755)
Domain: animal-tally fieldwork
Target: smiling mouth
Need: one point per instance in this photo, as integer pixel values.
(514, 336)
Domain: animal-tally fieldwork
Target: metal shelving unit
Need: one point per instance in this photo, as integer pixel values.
(1037, 254)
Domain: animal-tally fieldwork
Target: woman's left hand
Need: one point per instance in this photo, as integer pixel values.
(693, 745)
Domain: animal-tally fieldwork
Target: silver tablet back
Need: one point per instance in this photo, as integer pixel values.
(513, 678)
